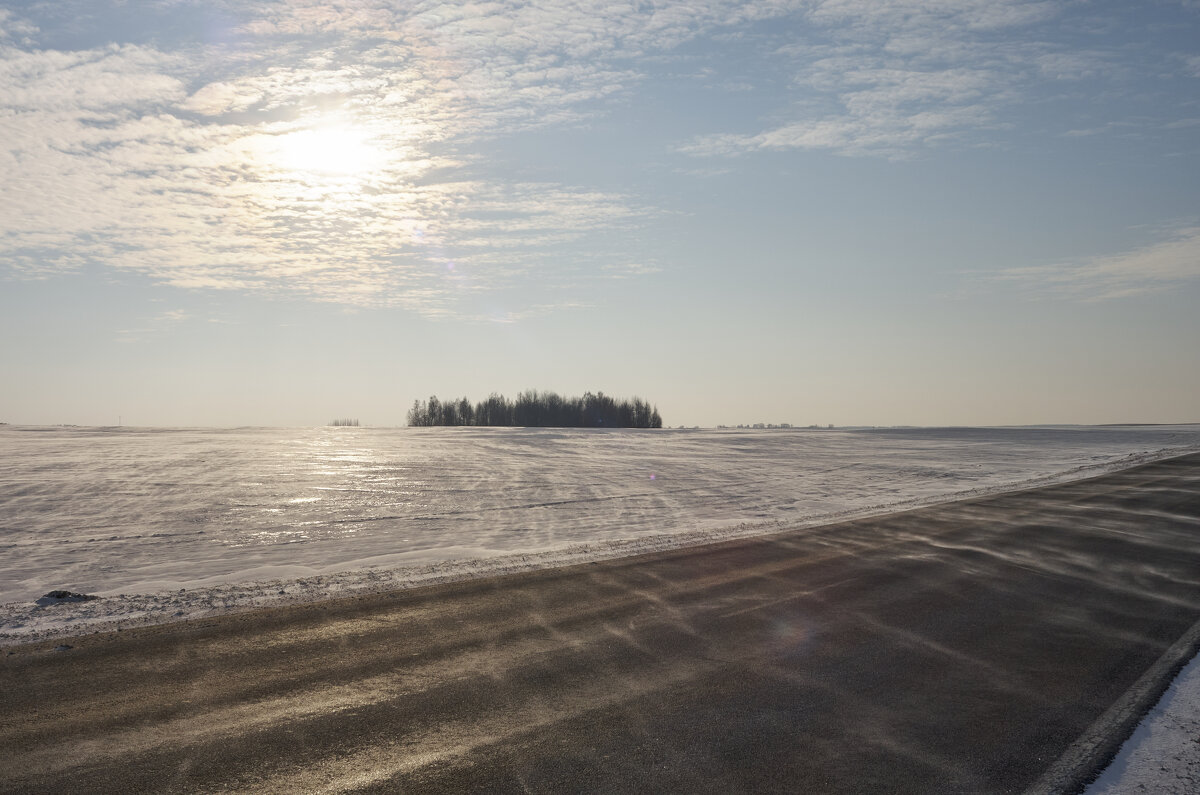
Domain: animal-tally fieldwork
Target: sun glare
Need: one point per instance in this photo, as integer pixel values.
(331, 150)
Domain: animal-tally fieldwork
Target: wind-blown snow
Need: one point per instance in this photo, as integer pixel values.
(175, 523)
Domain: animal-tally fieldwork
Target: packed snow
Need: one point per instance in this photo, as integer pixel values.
(1163, 754)
(166, 524)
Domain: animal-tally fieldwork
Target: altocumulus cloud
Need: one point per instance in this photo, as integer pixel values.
(178, 159)
(179, 162)
(333, 150)
(894, 78)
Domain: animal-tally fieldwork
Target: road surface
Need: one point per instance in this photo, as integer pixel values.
(989, 645)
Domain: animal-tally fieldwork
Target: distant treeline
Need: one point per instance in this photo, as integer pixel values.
(344, 423)
(539, 410)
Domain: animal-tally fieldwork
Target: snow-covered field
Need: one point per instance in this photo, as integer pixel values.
(174, 523)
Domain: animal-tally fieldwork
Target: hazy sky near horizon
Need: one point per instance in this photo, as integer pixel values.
(877, 212)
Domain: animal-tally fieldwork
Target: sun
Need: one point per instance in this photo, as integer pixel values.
(330, 150)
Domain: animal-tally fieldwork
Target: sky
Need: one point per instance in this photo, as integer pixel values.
(857, 212)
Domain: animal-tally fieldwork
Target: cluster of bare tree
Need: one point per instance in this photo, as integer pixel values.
(538, 409)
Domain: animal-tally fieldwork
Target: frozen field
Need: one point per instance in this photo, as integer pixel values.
(170, 523)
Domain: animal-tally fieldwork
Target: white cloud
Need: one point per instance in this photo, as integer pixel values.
(215, 99)
(203, 206)
(929, 16)
(137, 159)
(630, 270)
(86, 81)
(891, 77)
(1072, 65)
(1151, 268)
(152, 326)
(876, 125)
(120, 156)
(167, 163)
(13, 26)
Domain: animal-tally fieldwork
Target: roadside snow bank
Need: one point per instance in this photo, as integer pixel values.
(1163, 754)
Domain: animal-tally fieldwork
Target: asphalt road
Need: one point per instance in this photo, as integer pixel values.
(978, 646)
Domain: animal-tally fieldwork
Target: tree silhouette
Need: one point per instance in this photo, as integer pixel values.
(537, 410)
